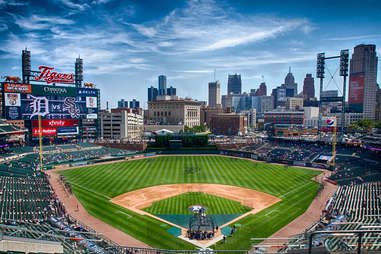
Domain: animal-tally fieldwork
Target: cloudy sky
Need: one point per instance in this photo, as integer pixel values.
(125, 45)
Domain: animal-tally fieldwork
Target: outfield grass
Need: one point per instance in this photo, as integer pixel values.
(179, 204)
(95, 185)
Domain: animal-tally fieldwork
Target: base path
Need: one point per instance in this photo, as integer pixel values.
(76, 210)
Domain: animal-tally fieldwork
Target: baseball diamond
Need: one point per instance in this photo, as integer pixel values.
(292, 188)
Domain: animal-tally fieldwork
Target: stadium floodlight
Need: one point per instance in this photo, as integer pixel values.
(344, 57)
(320, 65)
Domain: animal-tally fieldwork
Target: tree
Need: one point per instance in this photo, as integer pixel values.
(363, 125)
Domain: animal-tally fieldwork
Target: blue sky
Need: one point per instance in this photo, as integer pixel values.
(126, 45)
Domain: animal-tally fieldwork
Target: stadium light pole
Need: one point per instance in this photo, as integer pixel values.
(320, 74)
(344, 57)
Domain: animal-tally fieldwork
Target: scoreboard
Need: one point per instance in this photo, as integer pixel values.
(27, 102)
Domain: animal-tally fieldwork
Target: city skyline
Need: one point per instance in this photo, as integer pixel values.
(126, 46)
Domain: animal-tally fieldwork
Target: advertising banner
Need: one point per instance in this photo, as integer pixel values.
(91, 102)
(356, 88)
(54, 90)
(89, 129)
(87, 92)
(53, 123)
(67, 130)
(45, 131)
(12, 99)
(17, 88)
(91, 116)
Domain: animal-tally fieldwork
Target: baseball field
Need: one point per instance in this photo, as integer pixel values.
(96, 185)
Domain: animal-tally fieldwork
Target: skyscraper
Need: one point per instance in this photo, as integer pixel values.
(122, 103)
(308, 87)
(152, 93)
(289, 83)
(162, 85)
(234, 84)
(363, 81)
(214, 94)
(262, 90)
(171, 91)
(134, 104)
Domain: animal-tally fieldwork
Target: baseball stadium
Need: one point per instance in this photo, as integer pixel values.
(64, 189)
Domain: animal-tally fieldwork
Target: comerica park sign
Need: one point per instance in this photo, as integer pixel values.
(50, 76)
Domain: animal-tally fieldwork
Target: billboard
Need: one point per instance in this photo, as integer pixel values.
(45, 131)
(50, 102)
(17, 88)
(67, 130)
(356, 91)
(54, 123)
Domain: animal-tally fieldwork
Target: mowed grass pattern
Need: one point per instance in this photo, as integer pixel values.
(180, 204)
(95, 185)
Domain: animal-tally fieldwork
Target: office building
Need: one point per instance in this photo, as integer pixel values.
(308, 87)
(162, 85)
(262, 90)
(284, 117)
(121, 123)
(289, 83)
(134, 104)
(234, 84)
(363, 81)
(152, 93)
(122, 103)
(214, 94)
(294, 103)
(171, 91)
(177, 112)
(228, 124)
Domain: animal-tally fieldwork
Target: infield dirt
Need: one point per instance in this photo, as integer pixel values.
(142, 198)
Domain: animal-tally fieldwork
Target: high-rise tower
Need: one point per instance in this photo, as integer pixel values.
(214, 94)
(363, 81)
(289, 83)
(308, 87)
(234, 84)
(162, 85)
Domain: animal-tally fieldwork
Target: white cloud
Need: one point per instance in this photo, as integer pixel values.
(75, 6)
(197, 71)
(36, 22)
(355, 37)
(146, 31)
(205, 26)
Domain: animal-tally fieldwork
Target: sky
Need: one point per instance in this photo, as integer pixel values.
(126, 45)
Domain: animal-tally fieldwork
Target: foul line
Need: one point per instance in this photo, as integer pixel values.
(129, 216)
(295, 189)
(93, 191)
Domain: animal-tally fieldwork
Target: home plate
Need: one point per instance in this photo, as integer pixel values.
(204, 244)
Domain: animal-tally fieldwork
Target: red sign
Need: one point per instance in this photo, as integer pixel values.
(356, 88)
(53, 123)
(45, 131)
(17, 88)
(53, 77)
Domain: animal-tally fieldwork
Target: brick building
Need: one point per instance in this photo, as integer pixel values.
(228, 124)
